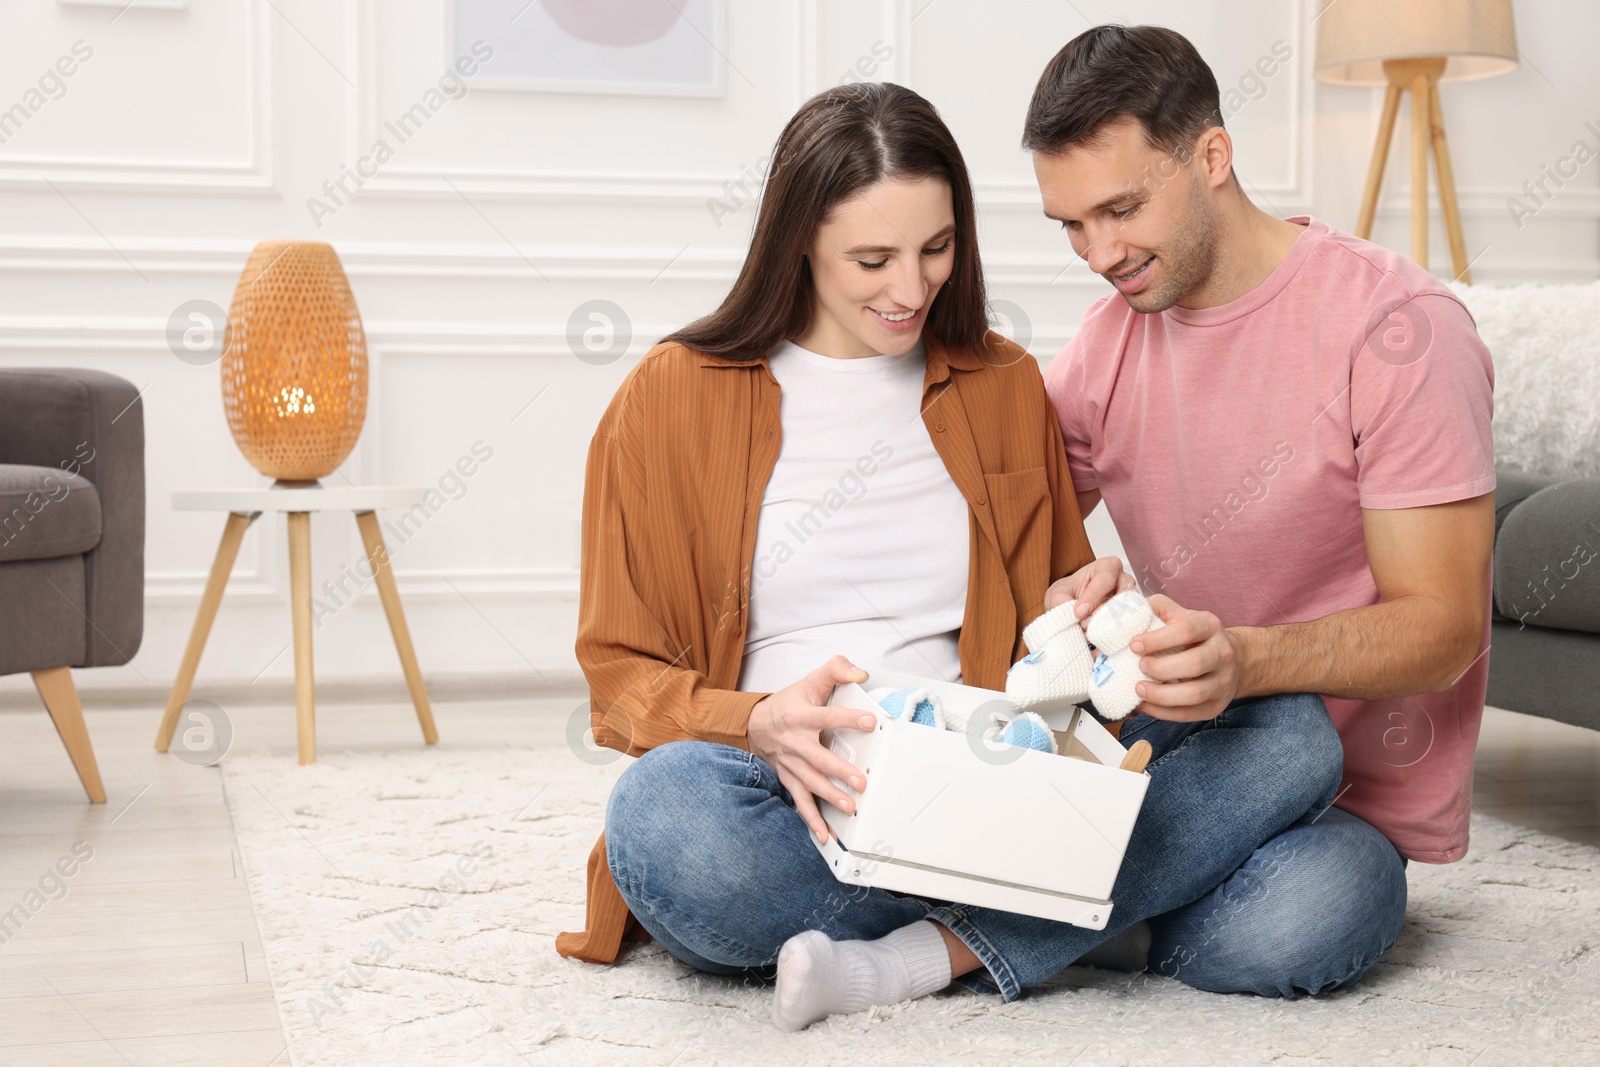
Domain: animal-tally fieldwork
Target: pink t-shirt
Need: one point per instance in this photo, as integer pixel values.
(1236, 446)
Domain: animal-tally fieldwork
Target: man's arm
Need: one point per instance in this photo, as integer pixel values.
(1088, 501)
(1431, 567)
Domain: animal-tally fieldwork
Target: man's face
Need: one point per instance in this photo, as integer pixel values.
(1141, 218)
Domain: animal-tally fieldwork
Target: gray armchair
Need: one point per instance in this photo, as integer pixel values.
(71, 536)
(1545, 658)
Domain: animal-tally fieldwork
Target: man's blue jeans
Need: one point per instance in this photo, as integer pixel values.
(1251, 881)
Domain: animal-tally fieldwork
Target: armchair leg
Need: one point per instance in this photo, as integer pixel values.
(61, 699)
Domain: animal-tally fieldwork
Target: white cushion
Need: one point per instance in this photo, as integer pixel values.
(1545, 341)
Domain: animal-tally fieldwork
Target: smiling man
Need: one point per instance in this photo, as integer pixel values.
(1290, 429)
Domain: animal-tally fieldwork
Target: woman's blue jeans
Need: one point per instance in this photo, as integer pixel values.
(1252, 882)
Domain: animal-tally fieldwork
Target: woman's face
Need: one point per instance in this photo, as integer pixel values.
(877, 264)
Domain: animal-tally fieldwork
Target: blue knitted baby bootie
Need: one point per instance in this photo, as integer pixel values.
(1029, 731)
(925, 707)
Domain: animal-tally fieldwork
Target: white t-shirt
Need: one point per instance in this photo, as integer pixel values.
(863, 540)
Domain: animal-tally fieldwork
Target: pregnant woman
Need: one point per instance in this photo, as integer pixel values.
(840, 465)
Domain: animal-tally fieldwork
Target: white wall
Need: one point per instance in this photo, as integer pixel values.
(192, 133)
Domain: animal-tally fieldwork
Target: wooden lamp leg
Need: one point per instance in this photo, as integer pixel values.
(1421, 78)
(1380, 159)
(1447, 188)
(60, 698)
(1421, 127)
(216, 582)
(378, 556)
(300, 610)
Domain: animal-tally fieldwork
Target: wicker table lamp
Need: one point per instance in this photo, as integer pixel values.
(294, 368)
(1414, 45)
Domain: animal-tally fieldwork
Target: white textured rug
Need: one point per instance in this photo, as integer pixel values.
(373, 963)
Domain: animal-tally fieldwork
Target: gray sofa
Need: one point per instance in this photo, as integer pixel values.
(1545, 653)
(71, 536)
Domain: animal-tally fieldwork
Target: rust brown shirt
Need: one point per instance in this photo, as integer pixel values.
(675, 478)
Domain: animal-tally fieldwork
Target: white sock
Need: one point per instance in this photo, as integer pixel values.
(819, 977)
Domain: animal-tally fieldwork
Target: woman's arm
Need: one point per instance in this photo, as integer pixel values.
(641, 694)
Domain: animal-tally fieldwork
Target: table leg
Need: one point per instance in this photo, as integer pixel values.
(216, 582)
(300, 609)
(378, 556)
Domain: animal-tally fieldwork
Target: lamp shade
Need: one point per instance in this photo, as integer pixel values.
(294, 363)
(1355, 37)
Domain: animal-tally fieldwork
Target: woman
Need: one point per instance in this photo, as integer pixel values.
(841, 459)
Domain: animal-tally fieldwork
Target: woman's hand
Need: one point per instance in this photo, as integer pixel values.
(785, 728)
(1090, 585)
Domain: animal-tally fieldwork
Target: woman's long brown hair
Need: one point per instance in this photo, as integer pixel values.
(841, 142)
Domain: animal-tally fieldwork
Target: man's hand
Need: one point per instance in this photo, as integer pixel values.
(1090, 585)
(1192, 659)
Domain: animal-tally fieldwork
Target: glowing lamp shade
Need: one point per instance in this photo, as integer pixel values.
(1477, 38)
(294, 365)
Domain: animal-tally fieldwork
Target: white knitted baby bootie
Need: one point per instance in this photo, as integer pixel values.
(1056, 670)
(1115, 671)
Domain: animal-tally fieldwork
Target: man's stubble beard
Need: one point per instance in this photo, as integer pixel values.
(1189, 259)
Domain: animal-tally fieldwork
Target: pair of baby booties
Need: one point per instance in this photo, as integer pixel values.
(1059, 669)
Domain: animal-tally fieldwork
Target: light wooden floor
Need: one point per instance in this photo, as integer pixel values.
(152, 955)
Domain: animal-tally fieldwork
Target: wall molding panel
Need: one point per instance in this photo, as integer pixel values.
(401, 260)
(252, 175)
(573, 198)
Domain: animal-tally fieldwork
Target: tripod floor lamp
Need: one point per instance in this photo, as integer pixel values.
(1411, 46)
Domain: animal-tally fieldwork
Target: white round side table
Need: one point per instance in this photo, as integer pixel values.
(244, 506)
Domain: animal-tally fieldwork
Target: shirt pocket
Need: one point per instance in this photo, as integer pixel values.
(1021, 506)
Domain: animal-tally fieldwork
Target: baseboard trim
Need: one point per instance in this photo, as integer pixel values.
(385, 689)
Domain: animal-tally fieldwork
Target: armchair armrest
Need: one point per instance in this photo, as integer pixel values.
(1547, 558)
(90, 423)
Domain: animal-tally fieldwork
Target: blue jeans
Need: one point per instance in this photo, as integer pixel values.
(1310, 911)
(710, 855)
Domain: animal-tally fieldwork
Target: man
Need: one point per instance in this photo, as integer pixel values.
(1290, 429)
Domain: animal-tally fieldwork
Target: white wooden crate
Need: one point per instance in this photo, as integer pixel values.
(950, 816)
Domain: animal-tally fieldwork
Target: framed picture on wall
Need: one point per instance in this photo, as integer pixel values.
(641, 47)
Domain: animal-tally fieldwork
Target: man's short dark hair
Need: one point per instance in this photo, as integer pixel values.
(1111, 73)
